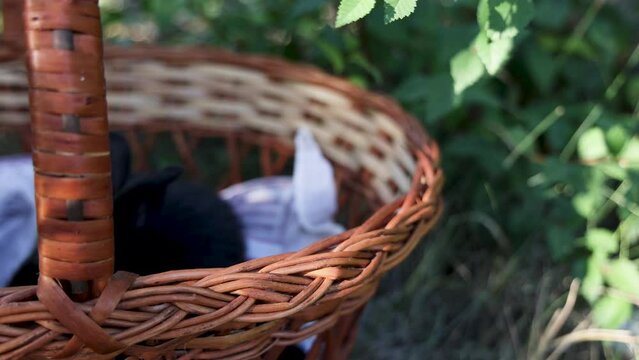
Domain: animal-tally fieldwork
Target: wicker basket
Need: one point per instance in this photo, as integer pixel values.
(387, 171)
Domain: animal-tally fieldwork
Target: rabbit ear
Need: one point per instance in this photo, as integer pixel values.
(314, 191)
(120, 160)
(144, 185)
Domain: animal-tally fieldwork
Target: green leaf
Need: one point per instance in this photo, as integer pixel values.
(629, 156)
(616, 138)
(602, 241)
(466, 68)
(493, 54)
(353, 10)
(592, 286)
(611, 312)
(398, 9)
(629, 230)
(504, 18)
(592, 145)
(587, 203)
(623, 275)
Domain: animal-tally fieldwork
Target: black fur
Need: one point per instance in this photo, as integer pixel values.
(162, 223)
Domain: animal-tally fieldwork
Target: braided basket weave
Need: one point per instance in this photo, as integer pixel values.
(387, 171)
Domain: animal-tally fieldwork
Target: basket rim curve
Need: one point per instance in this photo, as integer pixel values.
(248, 292)
(280, 69)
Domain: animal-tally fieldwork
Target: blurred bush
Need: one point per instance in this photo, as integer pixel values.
(535, 104)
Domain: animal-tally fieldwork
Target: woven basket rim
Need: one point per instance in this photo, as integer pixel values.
(325, 264)
(280, 69)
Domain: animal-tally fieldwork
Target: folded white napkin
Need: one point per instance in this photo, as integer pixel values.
(281, 214)
(18, 232)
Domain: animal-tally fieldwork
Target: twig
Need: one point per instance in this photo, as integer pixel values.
(536, 327)
(619, 336)
(530, 138)
(558, 320)
(512, 329)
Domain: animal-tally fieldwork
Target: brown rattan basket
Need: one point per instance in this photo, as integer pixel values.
(387, 171)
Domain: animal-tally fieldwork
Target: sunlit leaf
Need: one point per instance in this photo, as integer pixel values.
(602, 240)
(504, 18)
(611, 312)
(398, 9)
(592, 145)
(630, 153)
(466, 68)
(629, 229)
(623, 274)
(587, 203)
(353, 10)
(593, 283)
(493, 54)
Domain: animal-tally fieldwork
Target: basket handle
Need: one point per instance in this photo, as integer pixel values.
(71, 155)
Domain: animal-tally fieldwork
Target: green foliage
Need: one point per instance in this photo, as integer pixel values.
(592, 145)
(466, 68)
(611, 312)
(398, 9)
(623, 275)
(353, 10)
(500, 19)
(535, 105)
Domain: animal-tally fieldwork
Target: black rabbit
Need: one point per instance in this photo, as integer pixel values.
(162, 223)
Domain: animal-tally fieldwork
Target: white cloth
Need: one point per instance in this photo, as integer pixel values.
(282, 214)
(18, 232)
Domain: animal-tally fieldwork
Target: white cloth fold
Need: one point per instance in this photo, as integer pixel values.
(18, 232)
(281, 214)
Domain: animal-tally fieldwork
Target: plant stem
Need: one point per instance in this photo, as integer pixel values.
(527, 141)
(597, 110)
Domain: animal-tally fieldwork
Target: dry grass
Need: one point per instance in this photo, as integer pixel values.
(472, 300)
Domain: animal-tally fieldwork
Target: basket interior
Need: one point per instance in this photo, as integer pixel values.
(227, 122)
(228, 118)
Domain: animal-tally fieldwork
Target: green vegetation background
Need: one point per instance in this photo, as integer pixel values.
(535, 105)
